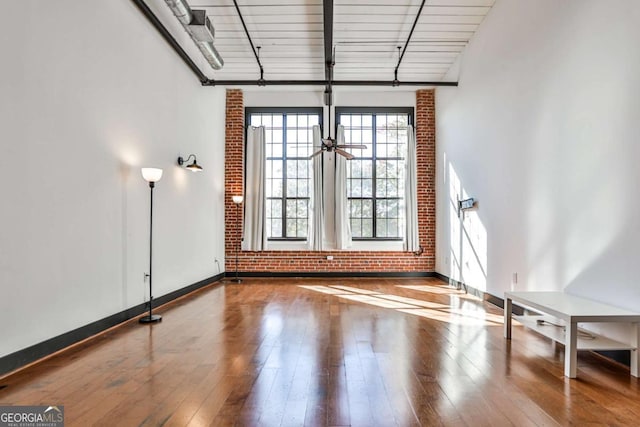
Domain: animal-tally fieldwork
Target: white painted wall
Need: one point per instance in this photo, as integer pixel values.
(543, 131)
(89, 94)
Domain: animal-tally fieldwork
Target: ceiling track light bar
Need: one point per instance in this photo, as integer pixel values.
(415, 22)
(246, 31)
(153, 19)
(329, 60)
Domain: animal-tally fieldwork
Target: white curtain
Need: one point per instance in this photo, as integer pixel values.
(254, 200)
(412, 238)
(343, 227)
(316, 207)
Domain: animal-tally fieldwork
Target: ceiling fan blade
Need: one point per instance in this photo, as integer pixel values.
(315, 154)
(361, 147)
(349, 156)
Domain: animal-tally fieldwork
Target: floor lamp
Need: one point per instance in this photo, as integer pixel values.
(151, 175)
(238, 201)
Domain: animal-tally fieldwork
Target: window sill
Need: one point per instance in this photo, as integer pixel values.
(357, 246)
(377, 245)
(287, 245)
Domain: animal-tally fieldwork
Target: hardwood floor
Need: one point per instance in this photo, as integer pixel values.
(326, 352)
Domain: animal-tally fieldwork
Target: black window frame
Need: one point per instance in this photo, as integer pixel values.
(374, 111)
(248, 111)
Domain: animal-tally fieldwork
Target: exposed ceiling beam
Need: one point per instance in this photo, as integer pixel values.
(324, 83)
(328, 30)
(327, 11)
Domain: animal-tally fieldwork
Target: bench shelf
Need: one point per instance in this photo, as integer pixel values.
(567, 311)
(585, 342)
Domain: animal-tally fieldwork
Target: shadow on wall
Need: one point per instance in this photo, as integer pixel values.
(467, 246)
(611, 276)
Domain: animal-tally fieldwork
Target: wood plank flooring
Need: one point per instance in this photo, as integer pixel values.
(326, 352)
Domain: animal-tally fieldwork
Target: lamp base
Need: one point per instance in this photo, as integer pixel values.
(238, 280)
(150, 319)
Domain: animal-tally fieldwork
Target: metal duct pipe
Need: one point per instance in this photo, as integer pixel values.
(153, 20)
(185, 15)
(181, 10)
(211, 54)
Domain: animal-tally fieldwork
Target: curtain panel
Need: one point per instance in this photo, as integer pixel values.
(343, 227)
(412, 238)
(254, 191)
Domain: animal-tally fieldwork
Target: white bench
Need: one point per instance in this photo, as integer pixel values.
(571, 310)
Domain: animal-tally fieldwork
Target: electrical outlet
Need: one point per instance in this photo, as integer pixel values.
(329, 257)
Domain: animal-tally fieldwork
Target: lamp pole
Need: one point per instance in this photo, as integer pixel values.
(237, 200)
(151, 175)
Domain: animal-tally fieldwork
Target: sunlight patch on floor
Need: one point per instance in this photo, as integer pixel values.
(323, 289)
(452, 292)
(467, 314)
(448, 317)
(380, 302)
(433, 289)
(413, 301)
(355, 290)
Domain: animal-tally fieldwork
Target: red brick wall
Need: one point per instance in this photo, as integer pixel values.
(343, 261)
(426, 159)
(233, 171)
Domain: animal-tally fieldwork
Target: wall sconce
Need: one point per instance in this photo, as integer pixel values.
(193, 167)
(464, 205)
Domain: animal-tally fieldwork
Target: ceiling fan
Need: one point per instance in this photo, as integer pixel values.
(330, 145)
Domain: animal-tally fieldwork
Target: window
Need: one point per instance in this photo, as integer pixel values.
(289, 143)
(375, 178)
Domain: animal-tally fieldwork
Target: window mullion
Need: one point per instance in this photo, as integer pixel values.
(374, 151)
(284, 175)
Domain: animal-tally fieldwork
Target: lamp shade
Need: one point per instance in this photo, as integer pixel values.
(237, 199)
(151, 174)
(194, 167)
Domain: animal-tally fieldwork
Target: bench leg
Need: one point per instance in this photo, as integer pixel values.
(635, 353)
(571, 350)
(507, 317)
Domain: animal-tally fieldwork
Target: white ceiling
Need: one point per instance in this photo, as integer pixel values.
(366, 36)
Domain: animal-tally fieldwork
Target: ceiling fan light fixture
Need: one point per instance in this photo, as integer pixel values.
(329, 144)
